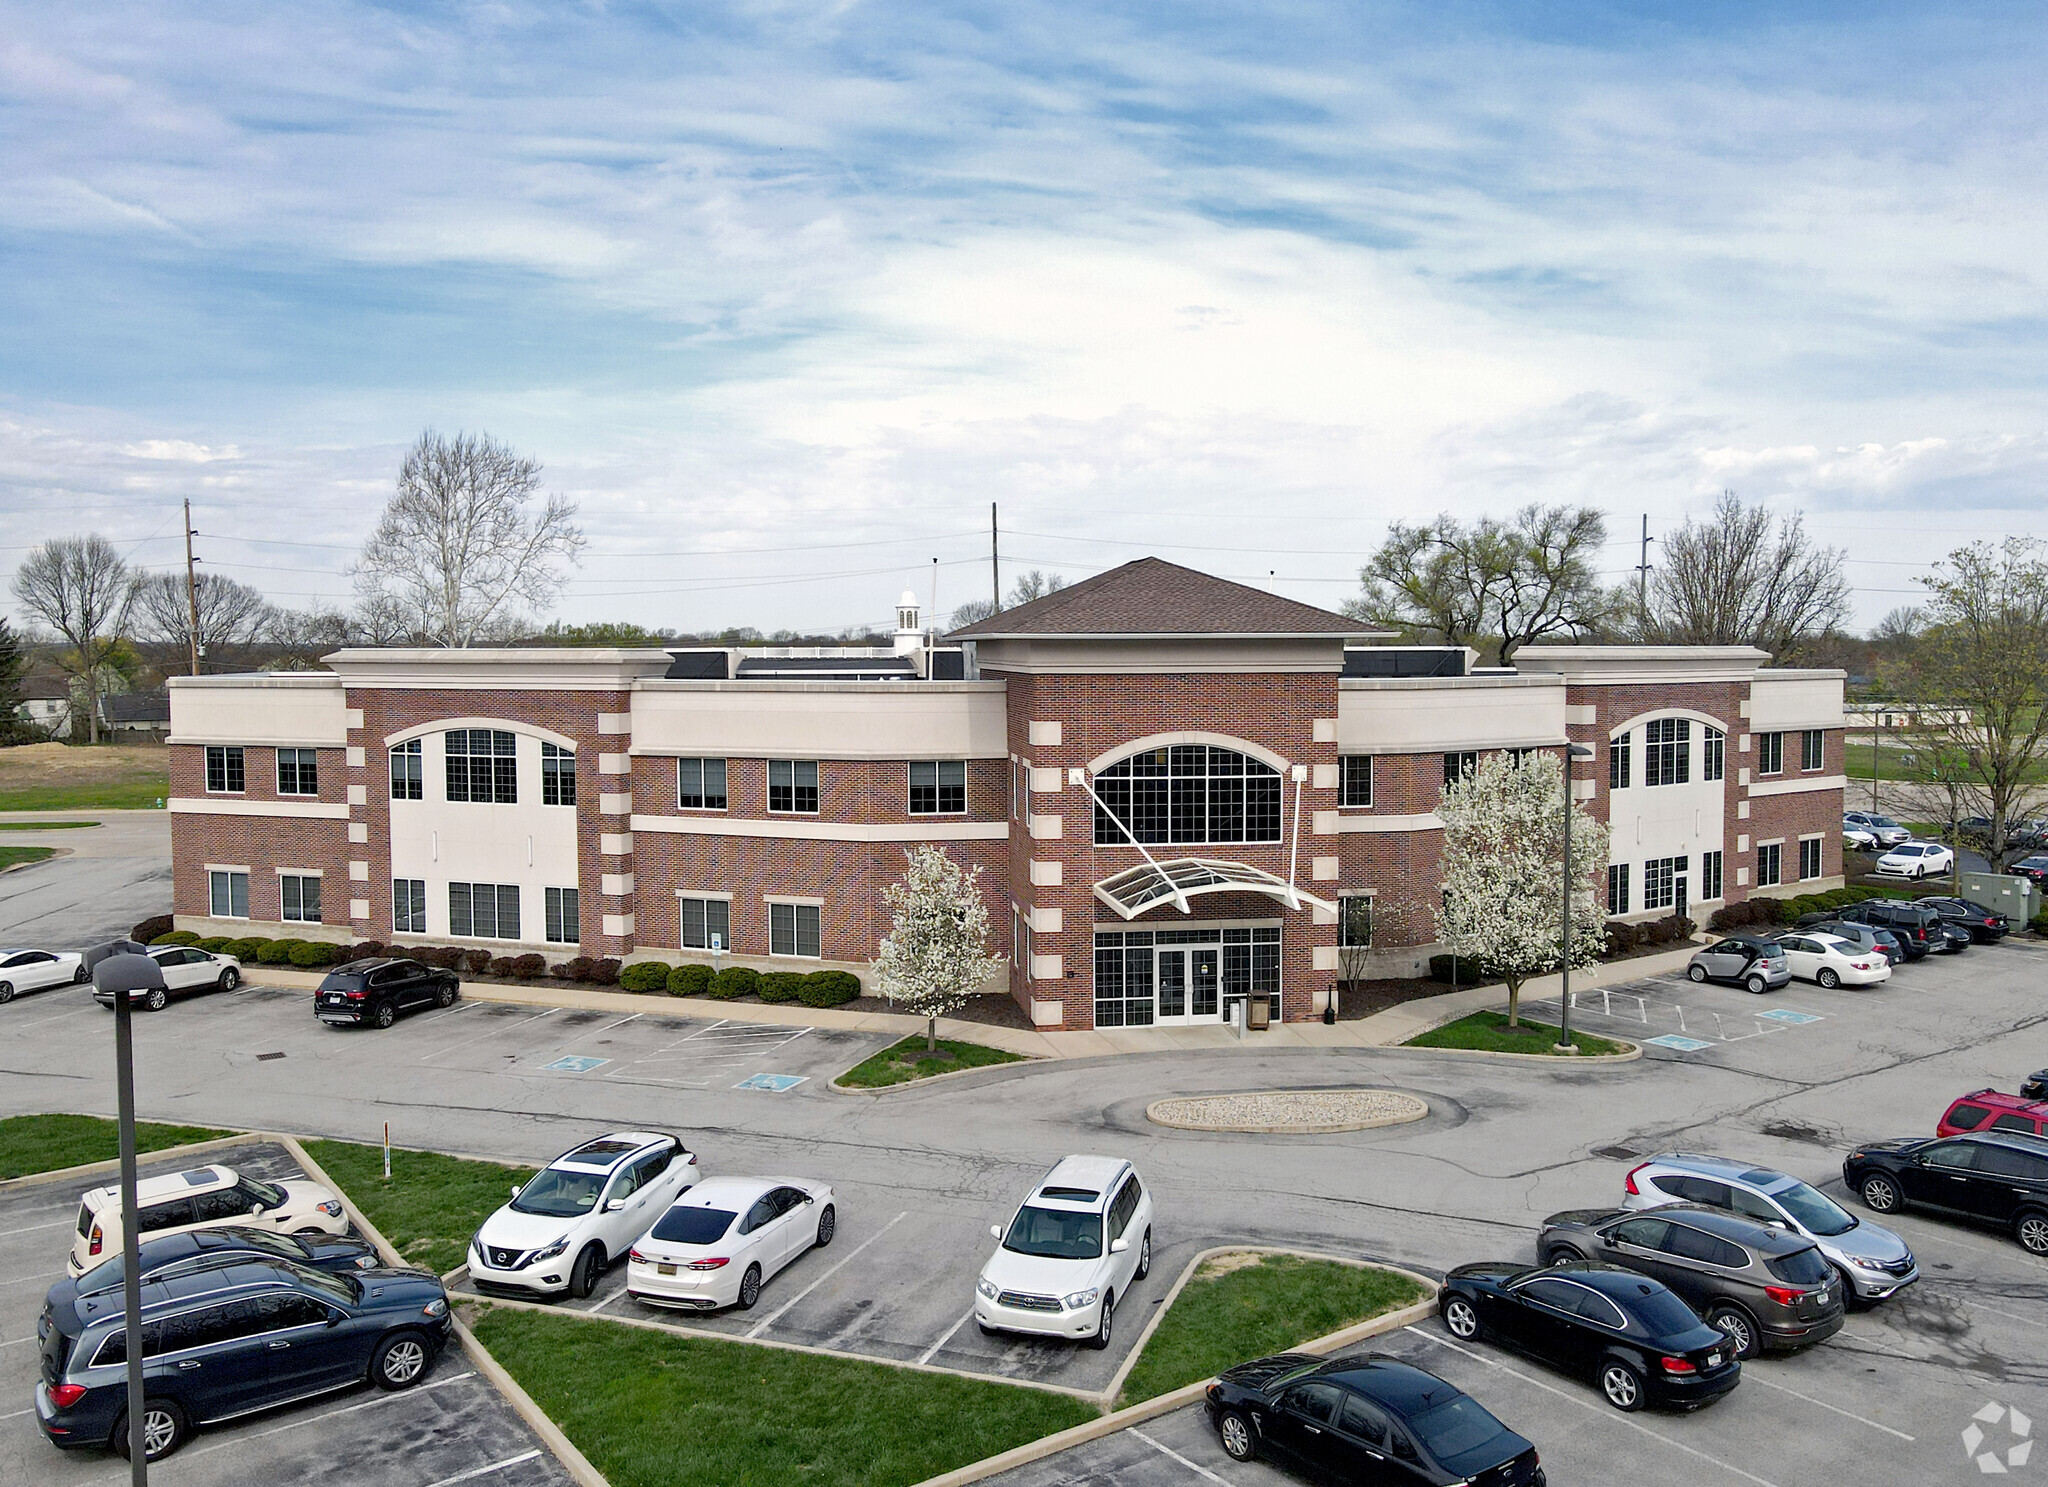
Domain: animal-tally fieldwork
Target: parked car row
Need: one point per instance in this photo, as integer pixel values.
(1852, 946)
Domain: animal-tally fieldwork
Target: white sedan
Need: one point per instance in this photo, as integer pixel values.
(1916, 860)
(1833, 961)
(723, 1239)
(33, 970)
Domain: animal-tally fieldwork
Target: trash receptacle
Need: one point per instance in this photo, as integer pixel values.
(1258, 1012)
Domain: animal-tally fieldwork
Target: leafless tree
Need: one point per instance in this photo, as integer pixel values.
(230, 613)
(457, 550)
(1495, 585)
(973, 612)
(1741, 577)
(82, 589)
(1034, 585)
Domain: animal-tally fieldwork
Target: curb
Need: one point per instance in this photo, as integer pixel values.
(1562, 1060)
(928, 1080)
(1306, 1128)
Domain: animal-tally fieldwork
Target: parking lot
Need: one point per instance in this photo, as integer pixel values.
(452, 1427)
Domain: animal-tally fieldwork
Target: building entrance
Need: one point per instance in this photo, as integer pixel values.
(1184, 976)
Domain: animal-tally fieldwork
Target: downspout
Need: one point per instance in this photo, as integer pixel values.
(1081, 776)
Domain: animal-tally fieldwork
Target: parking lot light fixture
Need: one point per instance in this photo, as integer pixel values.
(1573, 753)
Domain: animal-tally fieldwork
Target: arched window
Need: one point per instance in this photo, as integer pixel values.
(1188, 793)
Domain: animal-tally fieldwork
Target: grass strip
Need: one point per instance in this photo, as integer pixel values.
(44, 825)
(1238, 1307)
(900, 1063)
(15, 856)
(45, 1143)
(109, 795)
(1489, 1032)
(655, 1410)
(432, 1206)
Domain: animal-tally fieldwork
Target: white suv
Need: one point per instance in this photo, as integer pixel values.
(580, 1213)
(1081, 1239)
(203, 1198)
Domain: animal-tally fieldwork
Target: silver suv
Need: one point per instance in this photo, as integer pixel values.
(1874, 1262)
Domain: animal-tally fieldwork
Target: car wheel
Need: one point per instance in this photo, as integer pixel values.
(1850, 1300)
(1696, 973)
(1736, 1322)
(1461, 1318)
(1880, 1194)
(1560, 1254)
(750, 1288)
(1756, 986)
(583, 1279)
(6, 991)
(80, 976)
(445, 997)
(1145, 1255)
(156, 1000)
(2031, 1230)
(385, 1015)
(828, 1225)
(401, 1361)
(1235, 1431)
(1102, 1328)
(230, 979)
(1622, 1385)
(1828, 978)
(163, 1430)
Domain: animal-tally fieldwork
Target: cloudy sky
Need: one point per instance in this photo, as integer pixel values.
(785, 294)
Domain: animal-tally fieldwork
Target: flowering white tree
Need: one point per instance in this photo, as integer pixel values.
(1503, 864)
(936, 953)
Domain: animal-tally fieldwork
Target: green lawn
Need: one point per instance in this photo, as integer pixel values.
(1489, 1031)
(15, 856)
(1232, 1312)
(656, 1410)
(44, 1143)
(433, 1204)
(106, 795)
(902, 1062)
(44, 825)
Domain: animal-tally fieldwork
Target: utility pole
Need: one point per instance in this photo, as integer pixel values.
(191, 591)
(995, 567)
(1643, 572)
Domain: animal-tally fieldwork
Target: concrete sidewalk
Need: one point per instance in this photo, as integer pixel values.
(1381, 1030)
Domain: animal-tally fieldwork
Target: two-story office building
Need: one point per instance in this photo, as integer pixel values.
(1171, 783)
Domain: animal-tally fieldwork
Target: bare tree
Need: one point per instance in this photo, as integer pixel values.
(1034, 585)
(457, 550)
(973, 612)
(82, 589)
(230, 613)
(1495, 585)
(1739, 577)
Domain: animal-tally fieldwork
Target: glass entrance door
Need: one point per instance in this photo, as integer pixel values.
(1204, 1001)
(1173, 983)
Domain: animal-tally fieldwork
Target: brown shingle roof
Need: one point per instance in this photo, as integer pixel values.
(1155, 597)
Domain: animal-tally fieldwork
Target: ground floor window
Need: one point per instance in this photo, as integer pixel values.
(1354, 922)
(228, 894)
(1711, 886)
(564, 925)
(483, 911)
(1809, 857)
(706, 923)
(1617, 888)
(793, 930)
(409, 906)
(1770, 868)
(1182, 975)
(1659, 882)
(300, 897)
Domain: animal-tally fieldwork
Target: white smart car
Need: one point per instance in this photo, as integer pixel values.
(33, 970)
(580, 1213)
(203, 1198)
(1834, 961)
(723, 1239)
(1079, 1241)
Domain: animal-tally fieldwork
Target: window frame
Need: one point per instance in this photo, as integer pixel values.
(408, 782)
(1770, 753)
(305, 772)
(233, 773)
(1620, 757)
(1153, 797)
(557, 774)
(501, 783)
(412, 894)
(561, 912)
(1713, 754)
(704, 916)
(939, 795)
(1351, 907)
(1774, 854)
(1667, 752)
(1460, 765)
(1713, 877)
(1812, 846)
(290, 884)
(218, 878)
(497, 898)
(794, 786)
(793, 913)
(1350, 769)
(1813, 746)
(700, 799)
(1617, 889)
(1660, 883)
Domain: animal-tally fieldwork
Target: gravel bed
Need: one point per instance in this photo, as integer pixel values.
(1303, 1112)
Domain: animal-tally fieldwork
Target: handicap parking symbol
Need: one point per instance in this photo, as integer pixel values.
(575, 1064)
(1786, 1014)
(775, 1084)
(1681, 1043)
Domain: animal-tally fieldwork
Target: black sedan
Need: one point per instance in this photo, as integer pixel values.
(371, 993)
(1985, 924)
(1640, 1342)
(1365, 1417)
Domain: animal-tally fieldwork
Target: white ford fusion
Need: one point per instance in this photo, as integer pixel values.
(579, 1213)
(723, 1239)
(1833, 961)
(1077, 1243)
(33, 970)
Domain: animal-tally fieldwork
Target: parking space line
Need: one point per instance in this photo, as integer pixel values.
(485, 1471)
(1756, 1378)
(29, 1280)
(616, 1295)
(1164, 1450)
(347, 1409)
(17, 1414)
(2008, 1315)
(929, 1353)
(485, 1037)
(60, 1223)
(15, 1342)
(1609, 1415)
(776, 1315)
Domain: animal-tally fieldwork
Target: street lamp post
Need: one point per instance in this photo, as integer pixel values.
(1572, 754)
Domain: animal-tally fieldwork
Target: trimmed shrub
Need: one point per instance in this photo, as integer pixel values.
(310, 953)
(646, 975)
(529, 966)
(1621, 937)
(781, 986)
(1468, 971)
(476, 960)
(215, 943)
(246, 947)
(147, 931)
(1681, 929)
(605, 972)
(829, 988)
(578, 969)
(735, 981)
(277, 952)
(690, 980)
(500, 965)
(175, 937)
(441, 957)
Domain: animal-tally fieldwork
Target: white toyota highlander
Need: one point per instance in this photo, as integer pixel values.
(1079, 1241)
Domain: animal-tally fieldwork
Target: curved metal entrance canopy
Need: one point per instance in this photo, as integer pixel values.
(1178, 879)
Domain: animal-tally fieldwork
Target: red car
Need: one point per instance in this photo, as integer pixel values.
(1989, 1110)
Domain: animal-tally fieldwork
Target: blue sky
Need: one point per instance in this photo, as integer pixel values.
(784, 294)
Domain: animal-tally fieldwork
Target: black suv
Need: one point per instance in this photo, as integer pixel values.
(1985, 924)
(228, 1339)
(1918, 929)
(374, 992)
(1987, 1177)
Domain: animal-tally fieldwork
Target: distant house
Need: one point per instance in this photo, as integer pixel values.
(137, 714)
(45, 706)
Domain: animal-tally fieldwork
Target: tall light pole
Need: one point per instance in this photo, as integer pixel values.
(1573, 752)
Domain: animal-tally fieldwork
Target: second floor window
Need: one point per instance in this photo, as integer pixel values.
(1188, 793)
(557, 775)
(297, 772)
(1770, 755)
(1460, 766)
(224, 770)
(700, 784)
(793, 786)
(1812, 750)
(937, 786)
(1667, 751)
(483, 765)
(1355, 780)
(406, 778)
(1713, 754)
(1618, 762)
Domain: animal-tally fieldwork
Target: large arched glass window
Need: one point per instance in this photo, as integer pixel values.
(1188, 793)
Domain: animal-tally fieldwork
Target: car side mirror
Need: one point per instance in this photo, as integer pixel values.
(1403, 1449)
(333, 1319)
(1609, 1240)
(1118, 1246)
(995, 1231)
(256, 1212)
(809, 1198)
(515, 1189)
(615, 1205)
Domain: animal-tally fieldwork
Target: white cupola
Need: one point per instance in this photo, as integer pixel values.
(909, 631)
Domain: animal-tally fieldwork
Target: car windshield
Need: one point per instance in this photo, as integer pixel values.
(1663, 1314)
(1460, 1435)
(694, 1225)
(1815, 1212)
(1051, 1234)
(263, 1193)
(558, 1194)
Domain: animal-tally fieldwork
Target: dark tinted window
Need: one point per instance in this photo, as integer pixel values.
(761, 1213)
(787, 1199)
(1315, 1401)
(1801, 1268)
(1551, 1293)
(1688, 1243)
(1696, 1190)
(1965, 1117)
(1956, 1154)
(228, 1203)
(1597, 1308)
(170, 1215)
(1662, 1314)
(2003, 1161)
(2023, 1123)
(285, 1310)
(1642, 1233)
(1459, 1434)
(1363, 1420)
(694, 1225)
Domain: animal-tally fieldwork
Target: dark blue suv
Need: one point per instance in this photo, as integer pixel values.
(231, 1339)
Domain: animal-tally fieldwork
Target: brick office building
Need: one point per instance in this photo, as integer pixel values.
(1170, 782)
